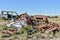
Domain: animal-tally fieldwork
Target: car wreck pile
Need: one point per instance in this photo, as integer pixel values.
(40, 21)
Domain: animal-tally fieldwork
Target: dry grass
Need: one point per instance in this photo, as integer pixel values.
(55, 20)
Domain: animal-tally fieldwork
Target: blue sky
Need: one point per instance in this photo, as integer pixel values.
(32, 7)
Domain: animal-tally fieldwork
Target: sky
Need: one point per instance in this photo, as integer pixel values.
(32, 7)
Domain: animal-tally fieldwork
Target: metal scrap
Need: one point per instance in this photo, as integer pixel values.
(48, 27)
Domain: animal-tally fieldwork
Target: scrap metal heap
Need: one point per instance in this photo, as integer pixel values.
(48, 27)
(43, 23)
(40, 20)
(7, 32)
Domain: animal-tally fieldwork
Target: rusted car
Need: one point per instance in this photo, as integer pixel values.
(41, 18)
(26, 18)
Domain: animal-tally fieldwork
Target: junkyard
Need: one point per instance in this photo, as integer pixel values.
(27, 27)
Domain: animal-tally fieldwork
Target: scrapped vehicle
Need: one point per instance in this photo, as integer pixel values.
(40, 18)
(26, 18)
